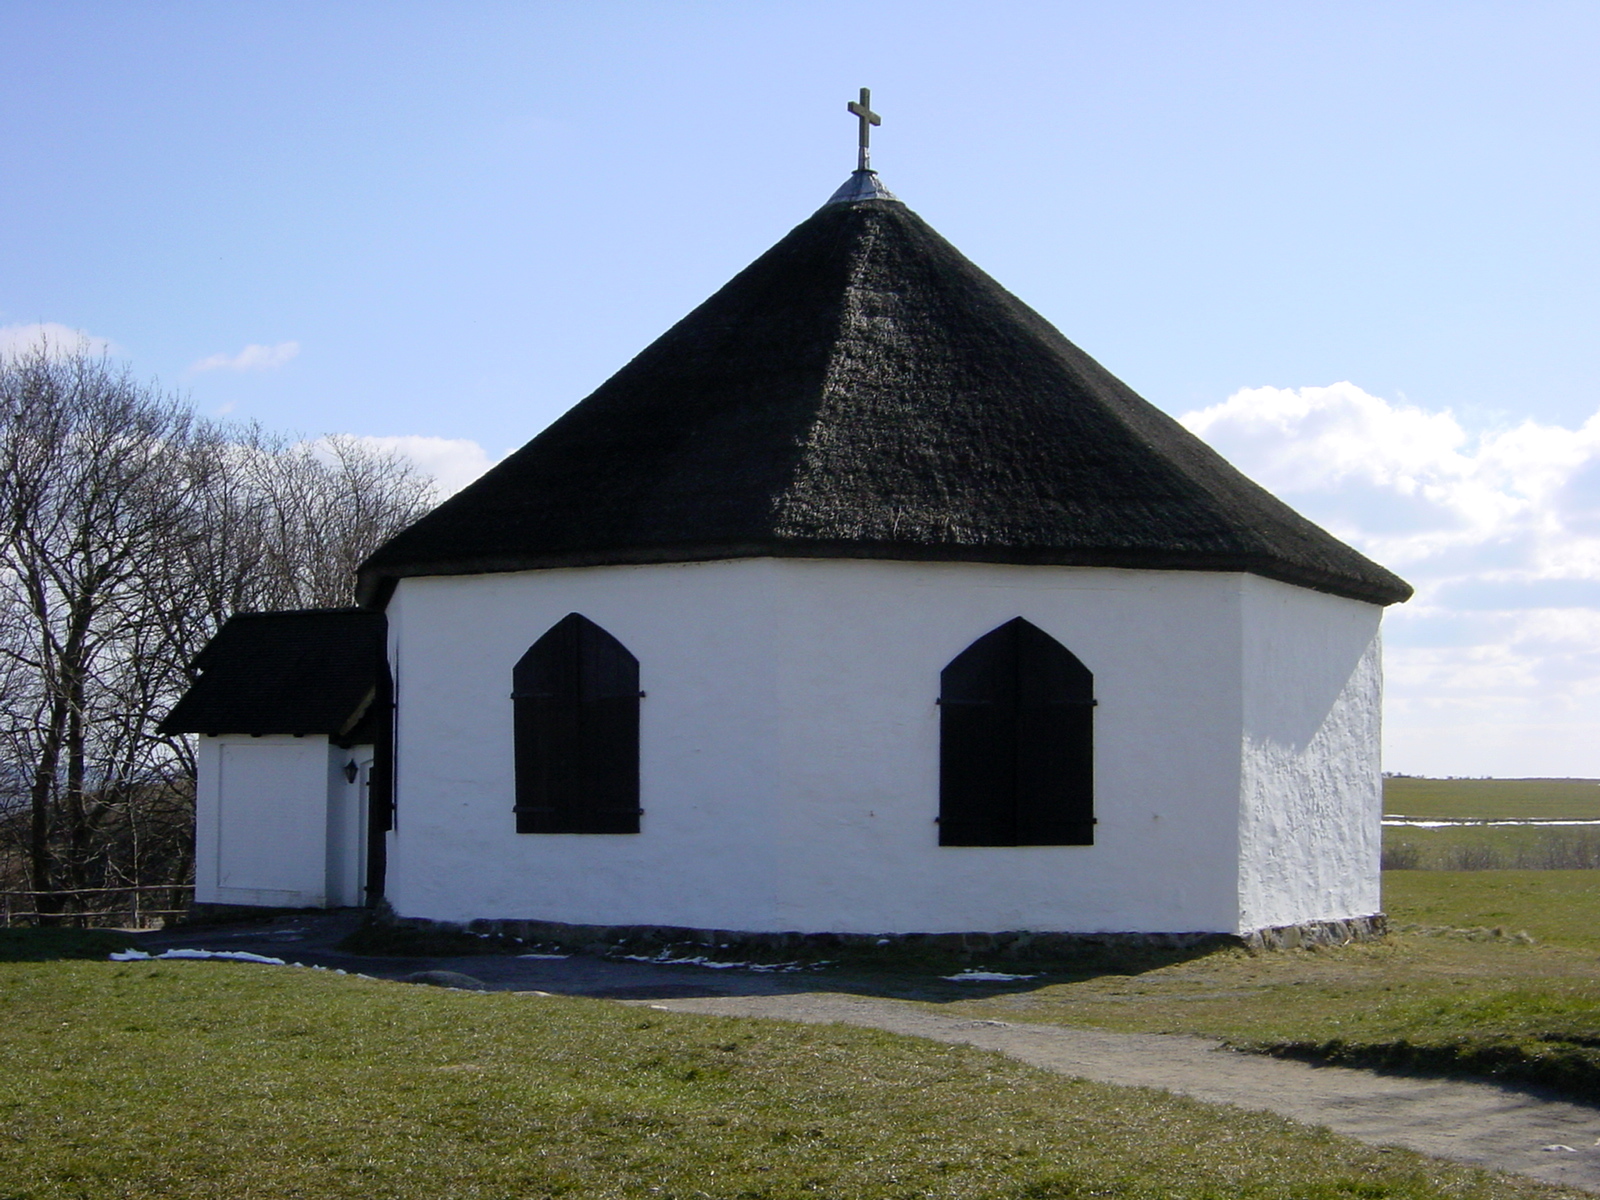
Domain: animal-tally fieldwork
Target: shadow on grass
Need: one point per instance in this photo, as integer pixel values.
(1562, 1063)
(932, 976)
(932, 969)
(49, 945)
(384, 940)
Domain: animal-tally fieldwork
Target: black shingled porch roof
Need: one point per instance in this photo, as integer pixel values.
(311, 671)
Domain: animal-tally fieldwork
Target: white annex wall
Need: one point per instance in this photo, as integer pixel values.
(789, 746)
(261, 821)
(1312, 802)
(276, 823)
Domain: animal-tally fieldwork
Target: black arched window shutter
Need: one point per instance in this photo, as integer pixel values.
(1016, 743)
(575, 696)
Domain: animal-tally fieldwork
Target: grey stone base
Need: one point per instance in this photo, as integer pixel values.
(1318, 933)
(1016, 945)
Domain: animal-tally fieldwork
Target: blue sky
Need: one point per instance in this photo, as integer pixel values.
(1354, 245)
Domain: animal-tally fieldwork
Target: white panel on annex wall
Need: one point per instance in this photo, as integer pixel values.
(272, 816)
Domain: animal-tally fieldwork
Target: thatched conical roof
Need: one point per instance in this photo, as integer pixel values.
(861, 390)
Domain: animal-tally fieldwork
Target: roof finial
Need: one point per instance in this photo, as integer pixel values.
(863, 183)
(868, 120)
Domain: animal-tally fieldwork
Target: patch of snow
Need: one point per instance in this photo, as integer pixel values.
(971, 976)
(231, 955)
(666, 960)
(698, 961)
(552, 956)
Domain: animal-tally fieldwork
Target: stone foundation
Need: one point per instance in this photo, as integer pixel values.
(1016, 945)
(1318, 933)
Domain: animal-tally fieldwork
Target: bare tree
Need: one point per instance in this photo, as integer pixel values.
(85, 497)
(271, 523)
(328, 504)
(129, 531)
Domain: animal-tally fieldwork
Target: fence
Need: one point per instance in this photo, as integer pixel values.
(126, 904)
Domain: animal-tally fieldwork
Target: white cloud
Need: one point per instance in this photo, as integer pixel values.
(451, 462)
(251, 358)
(1415, 489)
(1494, 666)
(58, 339)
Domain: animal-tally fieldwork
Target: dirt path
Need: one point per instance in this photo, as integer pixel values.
(1507, 1128)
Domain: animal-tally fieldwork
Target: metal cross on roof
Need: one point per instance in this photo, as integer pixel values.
(868, 120)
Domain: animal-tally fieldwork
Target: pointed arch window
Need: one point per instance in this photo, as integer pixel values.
(1016, 743)
(575, 697)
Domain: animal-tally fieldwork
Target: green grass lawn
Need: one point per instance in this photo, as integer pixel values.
(1560, 908)
(206, 1079)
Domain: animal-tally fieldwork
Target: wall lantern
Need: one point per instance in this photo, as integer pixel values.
(351, 771)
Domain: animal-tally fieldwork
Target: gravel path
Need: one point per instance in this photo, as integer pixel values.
(1517, 1129)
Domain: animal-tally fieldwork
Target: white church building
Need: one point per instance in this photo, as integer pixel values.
(860, 602)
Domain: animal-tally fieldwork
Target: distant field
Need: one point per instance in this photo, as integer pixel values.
(1487, 799)
(1479, 847)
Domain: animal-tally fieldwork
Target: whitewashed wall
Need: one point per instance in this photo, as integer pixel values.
(1312, 795)
(789, 745)
(276, 823)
